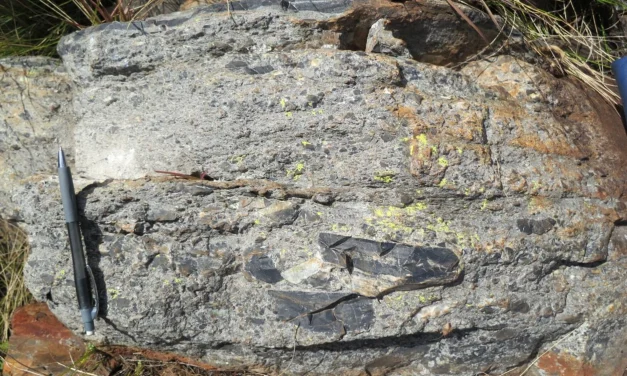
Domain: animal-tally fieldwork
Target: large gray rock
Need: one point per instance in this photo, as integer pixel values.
(363, 213)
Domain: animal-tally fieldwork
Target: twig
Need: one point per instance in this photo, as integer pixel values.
(468, 20)
(547, 351)
(76, 370)
(228, 10)
(4, 360)
(293, 351)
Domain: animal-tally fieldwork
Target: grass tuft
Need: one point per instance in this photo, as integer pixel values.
(571, 38)
(34, 27)
(13, 293)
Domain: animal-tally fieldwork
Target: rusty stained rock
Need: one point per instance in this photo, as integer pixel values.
(40, 343)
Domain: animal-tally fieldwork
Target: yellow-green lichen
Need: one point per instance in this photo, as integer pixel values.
(442, 183)
(283, 102)
(336, 227)
(384, 176)
(422, 139)
(439, 226)
(288, 114)
(305, 143)
(297, 172)
(413, 208)
(113, 293)
(443, 162)
(484, 204)
(238, 159)
(393, 226)
(536, 185)
(60, 275)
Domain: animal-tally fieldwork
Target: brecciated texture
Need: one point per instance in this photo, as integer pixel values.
(368, 214)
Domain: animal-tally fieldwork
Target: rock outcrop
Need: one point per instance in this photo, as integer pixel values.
(359, 213)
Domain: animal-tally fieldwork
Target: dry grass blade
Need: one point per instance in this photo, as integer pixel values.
(468, 20)
(13, 293)
(572, 42)
(487, 9)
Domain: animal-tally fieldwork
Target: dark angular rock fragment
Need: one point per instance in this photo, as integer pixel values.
(159, 261)
(332, 313)
(262, 268)
(161, 215)
(381, 267)
(259, 70)
(198, 190)
(538, 227)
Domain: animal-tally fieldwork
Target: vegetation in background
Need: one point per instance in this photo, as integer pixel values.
(572, 36)
(34, 27)
(13, 293)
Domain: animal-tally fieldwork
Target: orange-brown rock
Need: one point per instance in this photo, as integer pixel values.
(40, 343)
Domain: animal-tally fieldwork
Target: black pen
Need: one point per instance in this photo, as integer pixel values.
(89, 310)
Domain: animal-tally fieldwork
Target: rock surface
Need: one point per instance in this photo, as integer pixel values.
(35, 114)
(363, 213)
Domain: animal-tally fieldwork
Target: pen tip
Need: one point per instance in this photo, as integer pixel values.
(61, 158)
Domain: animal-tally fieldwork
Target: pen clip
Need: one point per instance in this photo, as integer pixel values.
(96, 297)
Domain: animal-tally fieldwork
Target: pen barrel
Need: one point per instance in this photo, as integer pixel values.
(81, 280)
(68, 197)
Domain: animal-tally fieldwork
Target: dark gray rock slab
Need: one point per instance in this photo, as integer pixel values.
(402, 266)
(262, 268)
(332, 313)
